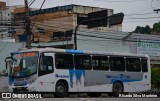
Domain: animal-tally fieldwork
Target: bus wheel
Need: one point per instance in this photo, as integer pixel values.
(61, 90)
(117, 88)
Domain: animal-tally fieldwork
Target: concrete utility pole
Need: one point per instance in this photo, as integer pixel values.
(27, 25)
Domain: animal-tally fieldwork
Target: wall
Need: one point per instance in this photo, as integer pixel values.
(104, 41)
(7, 14)
(3, 84)
(2, 5)
(51, 22)
(5, 49)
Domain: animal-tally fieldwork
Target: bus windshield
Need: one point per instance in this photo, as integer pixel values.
(24, 64)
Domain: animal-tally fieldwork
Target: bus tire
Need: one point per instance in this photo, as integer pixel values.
(117, 88)
(61, 90)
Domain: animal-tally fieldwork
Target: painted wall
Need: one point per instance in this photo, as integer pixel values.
(5, 49)
(109, 42)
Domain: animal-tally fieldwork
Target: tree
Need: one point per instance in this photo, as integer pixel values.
(143, 30)
(147, 30)
(156, 27)
(137, 29)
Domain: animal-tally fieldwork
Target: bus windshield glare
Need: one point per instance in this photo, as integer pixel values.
(24, 64)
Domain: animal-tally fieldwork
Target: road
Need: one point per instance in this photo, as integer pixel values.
(86, 99)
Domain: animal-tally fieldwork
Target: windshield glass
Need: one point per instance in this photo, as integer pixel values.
(24, 64)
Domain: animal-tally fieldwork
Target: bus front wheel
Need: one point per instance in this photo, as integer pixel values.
(61, 90)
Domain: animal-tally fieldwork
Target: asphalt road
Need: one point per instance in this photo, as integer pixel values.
(85, 99)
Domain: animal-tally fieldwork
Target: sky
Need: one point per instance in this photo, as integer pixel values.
(137, 12)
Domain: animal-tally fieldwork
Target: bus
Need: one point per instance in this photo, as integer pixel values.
(62, 71)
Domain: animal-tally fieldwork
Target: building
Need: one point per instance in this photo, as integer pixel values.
(6, 13)
(2, 5)
(2, 8)
(145, 44)
(50, 23)
(7, 23)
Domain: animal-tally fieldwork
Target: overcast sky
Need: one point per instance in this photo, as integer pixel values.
(137, 12)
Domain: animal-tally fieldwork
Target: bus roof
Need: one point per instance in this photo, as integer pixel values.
(71, 51)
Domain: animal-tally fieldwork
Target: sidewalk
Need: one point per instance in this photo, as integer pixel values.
(3, 84)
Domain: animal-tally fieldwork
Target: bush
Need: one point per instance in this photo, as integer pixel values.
(155, 76)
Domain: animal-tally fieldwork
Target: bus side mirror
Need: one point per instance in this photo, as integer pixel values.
(8, 61)
(42, 56)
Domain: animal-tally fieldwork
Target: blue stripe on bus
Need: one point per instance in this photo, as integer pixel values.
(123, 80)
(74, 51)
(78, 74)
(10, 80)
(18, 52)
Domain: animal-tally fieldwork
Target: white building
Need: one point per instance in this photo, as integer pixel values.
(7, 15)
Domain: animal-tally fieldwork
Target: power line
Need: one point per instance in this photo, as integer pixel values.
(31, 2)
(143, 18)
(138, 14)
(143, 10)
(152, 4)
(118, 1)
(153, 41)
(38, 14)
(140, 21)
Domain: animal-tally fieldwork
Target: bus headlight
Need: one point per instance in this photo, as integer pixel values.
(32, 89)
(31, 81)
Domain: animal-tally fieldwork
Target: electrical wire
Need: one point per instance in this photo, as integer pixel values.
(152, 4)
(143, 18)
(140, 11)
(118, 1)
(38, 14)
(138, 14)
(151, 41)
(31, 2)
(140, 21)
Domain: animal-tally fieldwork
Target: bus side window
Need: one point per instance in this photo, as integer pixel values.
(83, 62)
(144, 65)
(46, 65)
(133, 64)
(100, 63)
(64, 61)
(117, 63)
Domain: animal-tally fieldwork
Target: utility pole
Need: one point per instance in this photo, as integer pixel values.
(27, 25)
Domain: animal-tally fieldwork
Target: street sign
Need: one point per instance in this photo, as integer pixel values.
(22, 38)
(101, 19)
(116, 19)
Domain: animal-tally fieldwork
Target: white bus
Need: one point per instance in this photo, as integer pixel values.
(62, 71)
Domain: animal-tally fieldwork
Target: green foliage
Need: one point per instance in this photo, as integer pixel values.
(143, 30)
(155, 76)
(156, 27)
(147, 29)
